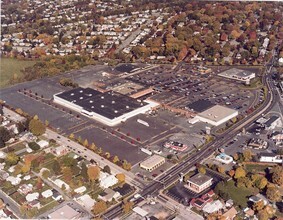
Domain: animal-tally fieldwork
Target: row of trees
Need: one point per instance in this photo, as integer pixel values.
(115, 159)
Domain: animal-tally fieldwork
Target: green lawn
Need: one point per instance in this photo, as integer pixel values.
(255, 168)
(239, 195)
(9, 67)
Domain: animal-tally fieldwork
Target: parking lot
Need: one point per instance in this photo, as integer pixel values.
(183, 87)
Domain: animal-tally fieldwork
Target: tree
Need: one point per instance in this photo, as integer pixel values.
(93, 173)
(236, 156)
(257, 206)
(247, 155)
(84, 173)
(231, 173)
(263, 215)
(261, 183)
(126, 165)
(36, 127)
(34, 146)
(25, 168)
(56, 167)
(85, 143)
(11, 159)
(93, 147)
(277, 175)
(45, 174)
(4, 134)
(67, 174)
(69, 161)
(107, 155)
(202, 169)
(121, 177)
(273, 194)
(116, 159)
(99, 207)
(127, 206)
(106, 169)
(240, 172)
(72, 136)
(221, 169)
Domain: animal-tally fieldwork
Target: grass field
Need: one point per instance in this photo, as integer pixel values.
(239, 195)
(9, 67)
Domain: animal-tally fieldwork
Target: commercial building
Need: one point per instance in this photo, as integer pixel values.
(224, 158)
(237, 74)
(199, 182)
(270, 158)
(257, 143)
(65, 212)
(152, 163)
(109, 108)
(216, 115)
(272, 123)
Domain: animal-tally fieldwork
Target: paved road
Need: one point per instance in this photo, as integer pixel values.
(12, 205)
(82, 151)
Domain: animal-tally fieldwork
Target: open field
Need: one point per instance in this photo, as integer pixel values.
(10, 67)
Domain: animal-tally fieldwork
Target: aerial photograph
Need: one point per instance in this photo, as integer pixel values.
(141, 110)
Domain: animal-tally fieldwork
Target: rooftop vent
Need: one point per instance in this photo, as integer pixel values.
(92, 106)
(90, 101)
(127, 107)
(102, 97)
(113, 102)
(81, 97)
(72, 94)
(81, 91)
(116, 111)
(102, 106)
(89, 94)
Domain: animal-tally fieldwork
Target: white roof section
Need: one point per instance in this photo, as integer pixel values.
(217, 113)
(32, 196)
(108, 181)
(80, 189)
(47, 193)
(213, 206)
(140, 211)
(86, 201)
(43, 143)
(152, 161)
(65, 212)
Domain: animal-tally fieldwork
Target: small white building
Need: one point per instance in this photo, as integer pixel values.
(43, 143)
(270, 157)
(140, 211)
(32, 196)
(273, 122)
(47, 193)
(61, 183)
(86, 201)
(80, 189)
(213, 206)
(14, 180)
(108, 181)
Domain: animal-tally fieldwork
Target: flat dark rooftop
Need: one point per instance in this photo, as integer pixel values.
(109, 104)
(200, 105)
(126, 68)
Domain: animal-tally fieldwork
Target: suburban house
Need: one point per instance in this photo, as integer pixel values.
(108, 195)
(32, 196)
(60, 151)
(47, 193)
(25, 189)
(107, 180)
(86, 201)
(56, 195)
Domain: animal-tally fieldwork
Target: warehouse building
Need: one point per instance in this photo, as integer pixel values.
(216, 115)
(237, 74)
(152, 163)
(109, 108)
